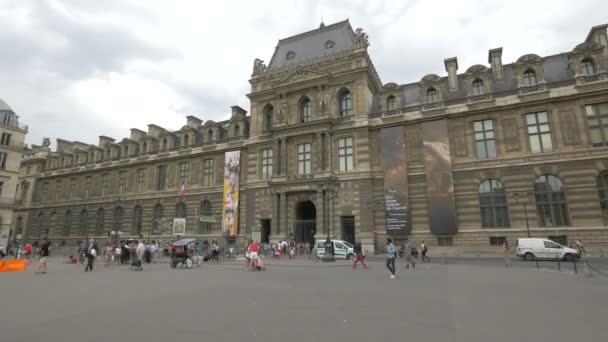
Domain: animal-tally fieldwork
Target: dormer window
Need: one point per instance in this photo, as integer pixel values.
(478, 87)
(164, 144)
(186, 140)
(346, 103)
(529, 78)
(588, 67)
(144, 147)
(236, 131)
(305, 110)
(125, 153)
(210, 135)
(391, 103)
(431, 96)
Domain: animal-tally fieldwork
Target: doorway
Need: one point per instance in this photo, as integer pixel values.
(265, 232)
(305, 226)
(348, 228)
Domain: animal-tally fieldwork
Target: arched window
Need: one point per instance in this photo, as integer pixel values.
(144, 147)
(478, 87)
(67, 224)
(431, 96)
(236, 131)
(82, 224)
(346, 103)
(529, 78)
(99, 222)
(588, 67)
(119, 214)
(210, 135)
(180, 210)
(305, 110)
(164, 144)
(52, 228)
(602, 189)
(42, 228)
(268, 117)
(186, 140)
(157, 216)
(391, 103)
(206, 218)
(493, 204)
(551, 205)
(136, 228)
(125, 152)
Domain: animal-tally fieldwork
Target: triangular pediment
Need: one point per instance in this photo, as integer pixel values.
(299, 75)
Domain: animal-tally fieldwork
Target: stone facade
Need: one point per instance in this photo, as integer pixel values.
(12, 188)
(311, 161)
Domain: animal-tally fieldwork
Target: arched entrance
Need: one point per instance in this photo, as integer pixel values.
(306, 222)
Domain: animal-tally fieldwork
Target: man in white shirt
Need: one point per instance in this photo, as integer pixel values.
(141, 250)
(153, 251)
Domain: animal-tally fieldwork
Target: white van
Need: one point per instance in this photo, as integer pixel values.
(533, 248)
(342, 249)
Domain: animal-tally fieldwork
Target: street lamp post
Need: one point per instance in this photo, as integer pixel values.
(524, 200)
(328, 256)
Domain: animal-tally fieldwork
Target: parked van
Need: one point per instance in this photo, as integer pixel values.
(342, 249)
(532, 249)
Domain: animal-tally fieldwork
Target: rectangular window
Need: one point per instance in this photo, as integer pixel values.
(72, 188)
(597, 119)
(485, 139)
(267, 163)
(304, 166)
(183, 173)
(497, 240)
(104, 185)
(5, 139)
(45, 192)
(58, 191)
(141, 180)
(208, 172)
(539, 132)
(3, 157)
(345, 154)
(87, 186)
(162, 178)
(122, 183)
(445, 241)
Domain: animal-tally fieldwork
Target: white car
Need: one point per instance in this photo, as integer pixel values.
(342, 249)
(533, 249)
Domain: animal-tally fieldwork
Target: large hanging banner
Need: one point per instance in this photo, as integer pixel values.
(395, 180)
(439, 182)
(230, 206)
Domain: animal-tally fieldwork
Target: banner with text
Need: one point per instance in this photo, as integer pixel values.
(230, 206)
(439, 182)
(395, 180)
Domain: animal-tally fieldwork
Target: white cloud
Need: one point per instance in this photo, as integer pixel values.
(76, 70)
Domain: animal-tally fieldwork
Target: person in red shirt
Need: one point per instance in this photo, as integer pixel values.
(254, 254)
(28, 250)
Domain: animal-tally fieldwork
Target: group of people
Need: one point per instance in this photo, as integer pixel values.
(409, 253)
(290, 249)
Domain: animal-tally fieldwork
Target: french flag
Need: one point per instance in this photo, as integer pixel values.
(182, 188)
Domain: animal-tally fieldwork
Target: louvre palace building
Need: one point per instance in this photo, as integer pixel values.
(466, 159)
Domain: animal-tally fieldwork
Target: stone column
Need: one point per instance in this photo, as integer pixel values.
(329, 148)
(320, 214)
(276, 167)
(318, 151)
(284, 156)
(274, 224)
(283, 213)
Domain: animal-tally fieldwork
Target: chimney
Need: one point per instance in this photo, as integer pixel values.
(451, 66)
(236, 110)
(193, 121)
(495, 60)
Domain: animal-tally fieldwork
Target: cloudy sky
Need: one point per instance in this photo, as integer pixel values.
(77, 69)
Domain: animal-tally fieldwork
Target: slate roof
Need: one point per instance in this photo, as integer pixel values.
(312, 45)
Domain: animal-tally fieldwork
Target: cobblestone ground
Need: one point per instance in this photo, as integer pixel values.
(302, 301)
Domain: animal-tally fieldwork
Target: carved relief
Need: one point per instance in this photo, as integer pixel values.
(459, 141)
(569, 125)
(511, 135)
(346, 196)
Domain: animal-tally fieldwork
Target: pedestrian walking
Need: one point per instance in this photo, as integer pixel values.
(359, 257)
(108, 250)
(141, 251)
(45, 250)
(423, 250)
(153, 252)
(82, 252)
(391, 254)
(506, 248)
(580, 247)
(407, 253)
(91, 253)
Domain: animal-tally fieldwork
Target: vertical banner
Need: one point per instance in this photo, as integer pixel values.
(395, 180)
(179, 226)
(439, 182)
(230, 205)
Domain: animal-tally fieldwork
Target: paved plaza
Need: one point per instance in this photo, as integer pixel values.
(302, 301)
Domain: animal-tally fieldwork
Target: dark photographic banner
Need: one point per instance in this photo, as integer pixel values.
(395, 180)
(439, 182)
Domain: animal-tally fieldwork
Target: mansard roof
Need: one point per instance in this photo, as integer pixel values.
(308, 46)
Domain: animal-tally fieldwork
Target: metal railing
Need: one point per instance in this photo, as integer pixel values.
(11, 120)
